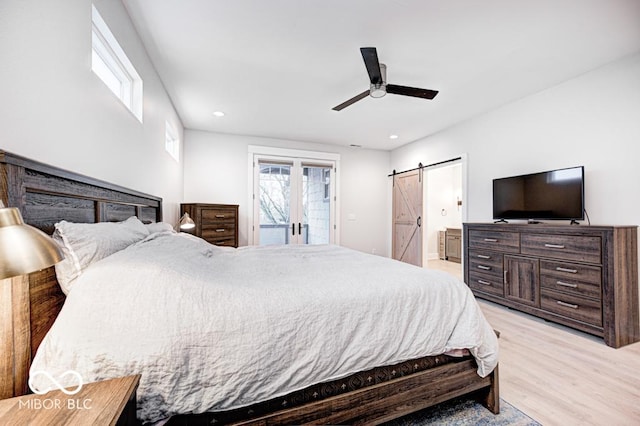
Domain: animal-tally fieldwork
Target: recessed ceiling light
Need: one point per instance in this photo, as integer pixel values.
(393, 137)
(219, 114)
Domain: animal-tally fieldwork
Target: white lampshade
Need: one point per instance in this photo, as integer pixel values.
(186, 222)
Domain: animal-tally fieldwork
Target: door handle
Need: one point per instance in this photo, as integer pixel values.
(293, 229)
(419, 221)
(299, 228)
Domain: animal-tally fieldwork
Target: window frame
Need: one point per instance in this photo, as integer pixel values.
(114, 60)
(172, 141)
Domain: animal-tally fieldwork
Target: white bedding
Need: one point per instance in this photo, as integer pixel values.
(213, 328)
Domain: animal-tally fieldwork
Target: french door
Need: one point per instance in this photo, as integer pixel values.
(294, 201)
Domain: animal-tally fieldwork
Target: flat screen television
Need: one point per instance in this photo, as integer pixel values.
(551, 195)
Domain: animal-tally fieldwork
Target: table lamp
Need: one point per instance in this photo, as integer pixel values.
(186, 222)
(23, 249)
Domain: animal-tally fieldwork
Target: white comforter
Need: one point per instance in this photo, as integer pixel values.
(213, 329)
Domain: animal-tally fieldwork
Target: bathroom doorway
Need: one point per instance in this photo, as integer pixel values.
(444, 211)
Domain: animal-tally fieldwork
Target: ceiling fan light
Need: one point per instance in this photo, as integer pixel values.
(378, 91)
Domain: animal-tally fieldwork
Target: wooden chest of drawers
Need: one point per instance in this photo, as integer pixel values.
(585, 277)
(215, 223)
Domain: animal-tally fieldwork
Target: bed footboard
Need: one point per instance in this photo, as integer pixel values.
(377, 403)
(387, 401)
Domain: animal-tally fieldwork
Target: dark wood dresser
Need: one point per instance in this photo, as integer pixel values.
(585, 277)
(215, 223)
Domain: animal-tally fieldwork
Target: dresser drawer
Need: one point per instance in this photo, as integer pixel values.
(218, 215)
(572, 271)
(486, 283)
(486, 262)
(572, 306)
(569, 247)
(585, 280)
(571, 286)
(220, 231)
(495, 240)
(222, 241)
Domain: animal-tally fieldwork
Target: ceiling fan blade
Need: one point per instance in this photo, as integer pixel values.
(370, 56)
(411, 91)
(351, 101)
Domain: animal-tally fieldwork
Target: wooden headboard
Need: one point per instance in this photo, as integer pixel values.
(46, 195)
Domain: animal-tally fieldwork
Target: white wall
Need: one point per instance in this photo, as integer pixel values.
(592, 120)
(55, 110)
(216, 171)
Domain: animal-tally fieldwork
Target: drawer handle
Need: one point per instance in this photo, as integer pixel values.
(220, 230)
(484, 256)
(486, 268)
(571, 271)
(567, 305)
(562, 283)
(483, 282)
(491, 240)
(558, 246)
(220, 216)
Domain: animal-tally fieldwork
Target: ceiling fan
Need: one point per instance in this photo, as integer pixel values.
(378, 78)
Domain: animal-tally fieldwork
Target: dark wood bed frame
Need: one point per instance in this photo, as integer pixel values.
(46, 195)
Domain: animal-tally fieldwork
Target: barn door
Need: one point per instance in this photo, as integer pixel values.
(407, 217)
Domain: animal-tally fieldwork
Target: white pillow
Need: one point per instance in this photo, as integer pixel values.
(158, 227)
(86, 243)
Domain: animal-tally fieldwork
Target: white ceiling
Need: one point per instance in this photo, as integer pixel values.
(277, 67)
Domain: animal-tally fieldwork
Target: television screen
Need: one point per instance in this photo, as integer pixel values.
(552, 195)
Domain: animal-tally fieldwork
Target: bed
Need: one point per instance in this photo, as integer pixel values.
(366, 390)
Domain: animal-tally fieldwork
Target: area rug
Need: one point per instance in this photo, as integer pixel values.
(464, 411)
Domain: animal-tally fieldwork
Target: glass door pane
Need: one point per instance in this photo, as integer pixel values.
(293, 201)
(316, 204)
(275, 203)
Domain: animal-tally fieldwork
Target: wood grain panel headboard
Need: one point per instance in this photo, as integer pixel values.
(46, 195)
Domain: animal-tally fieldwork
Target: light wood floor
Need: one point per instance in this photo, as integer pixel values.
(559, 376)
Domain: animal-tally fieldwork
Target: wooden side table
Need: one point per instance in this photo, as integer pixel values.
(109, 402)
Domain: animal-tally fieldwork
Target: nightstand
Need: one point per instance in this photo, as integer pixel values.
(215, 223)
(108, 402)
